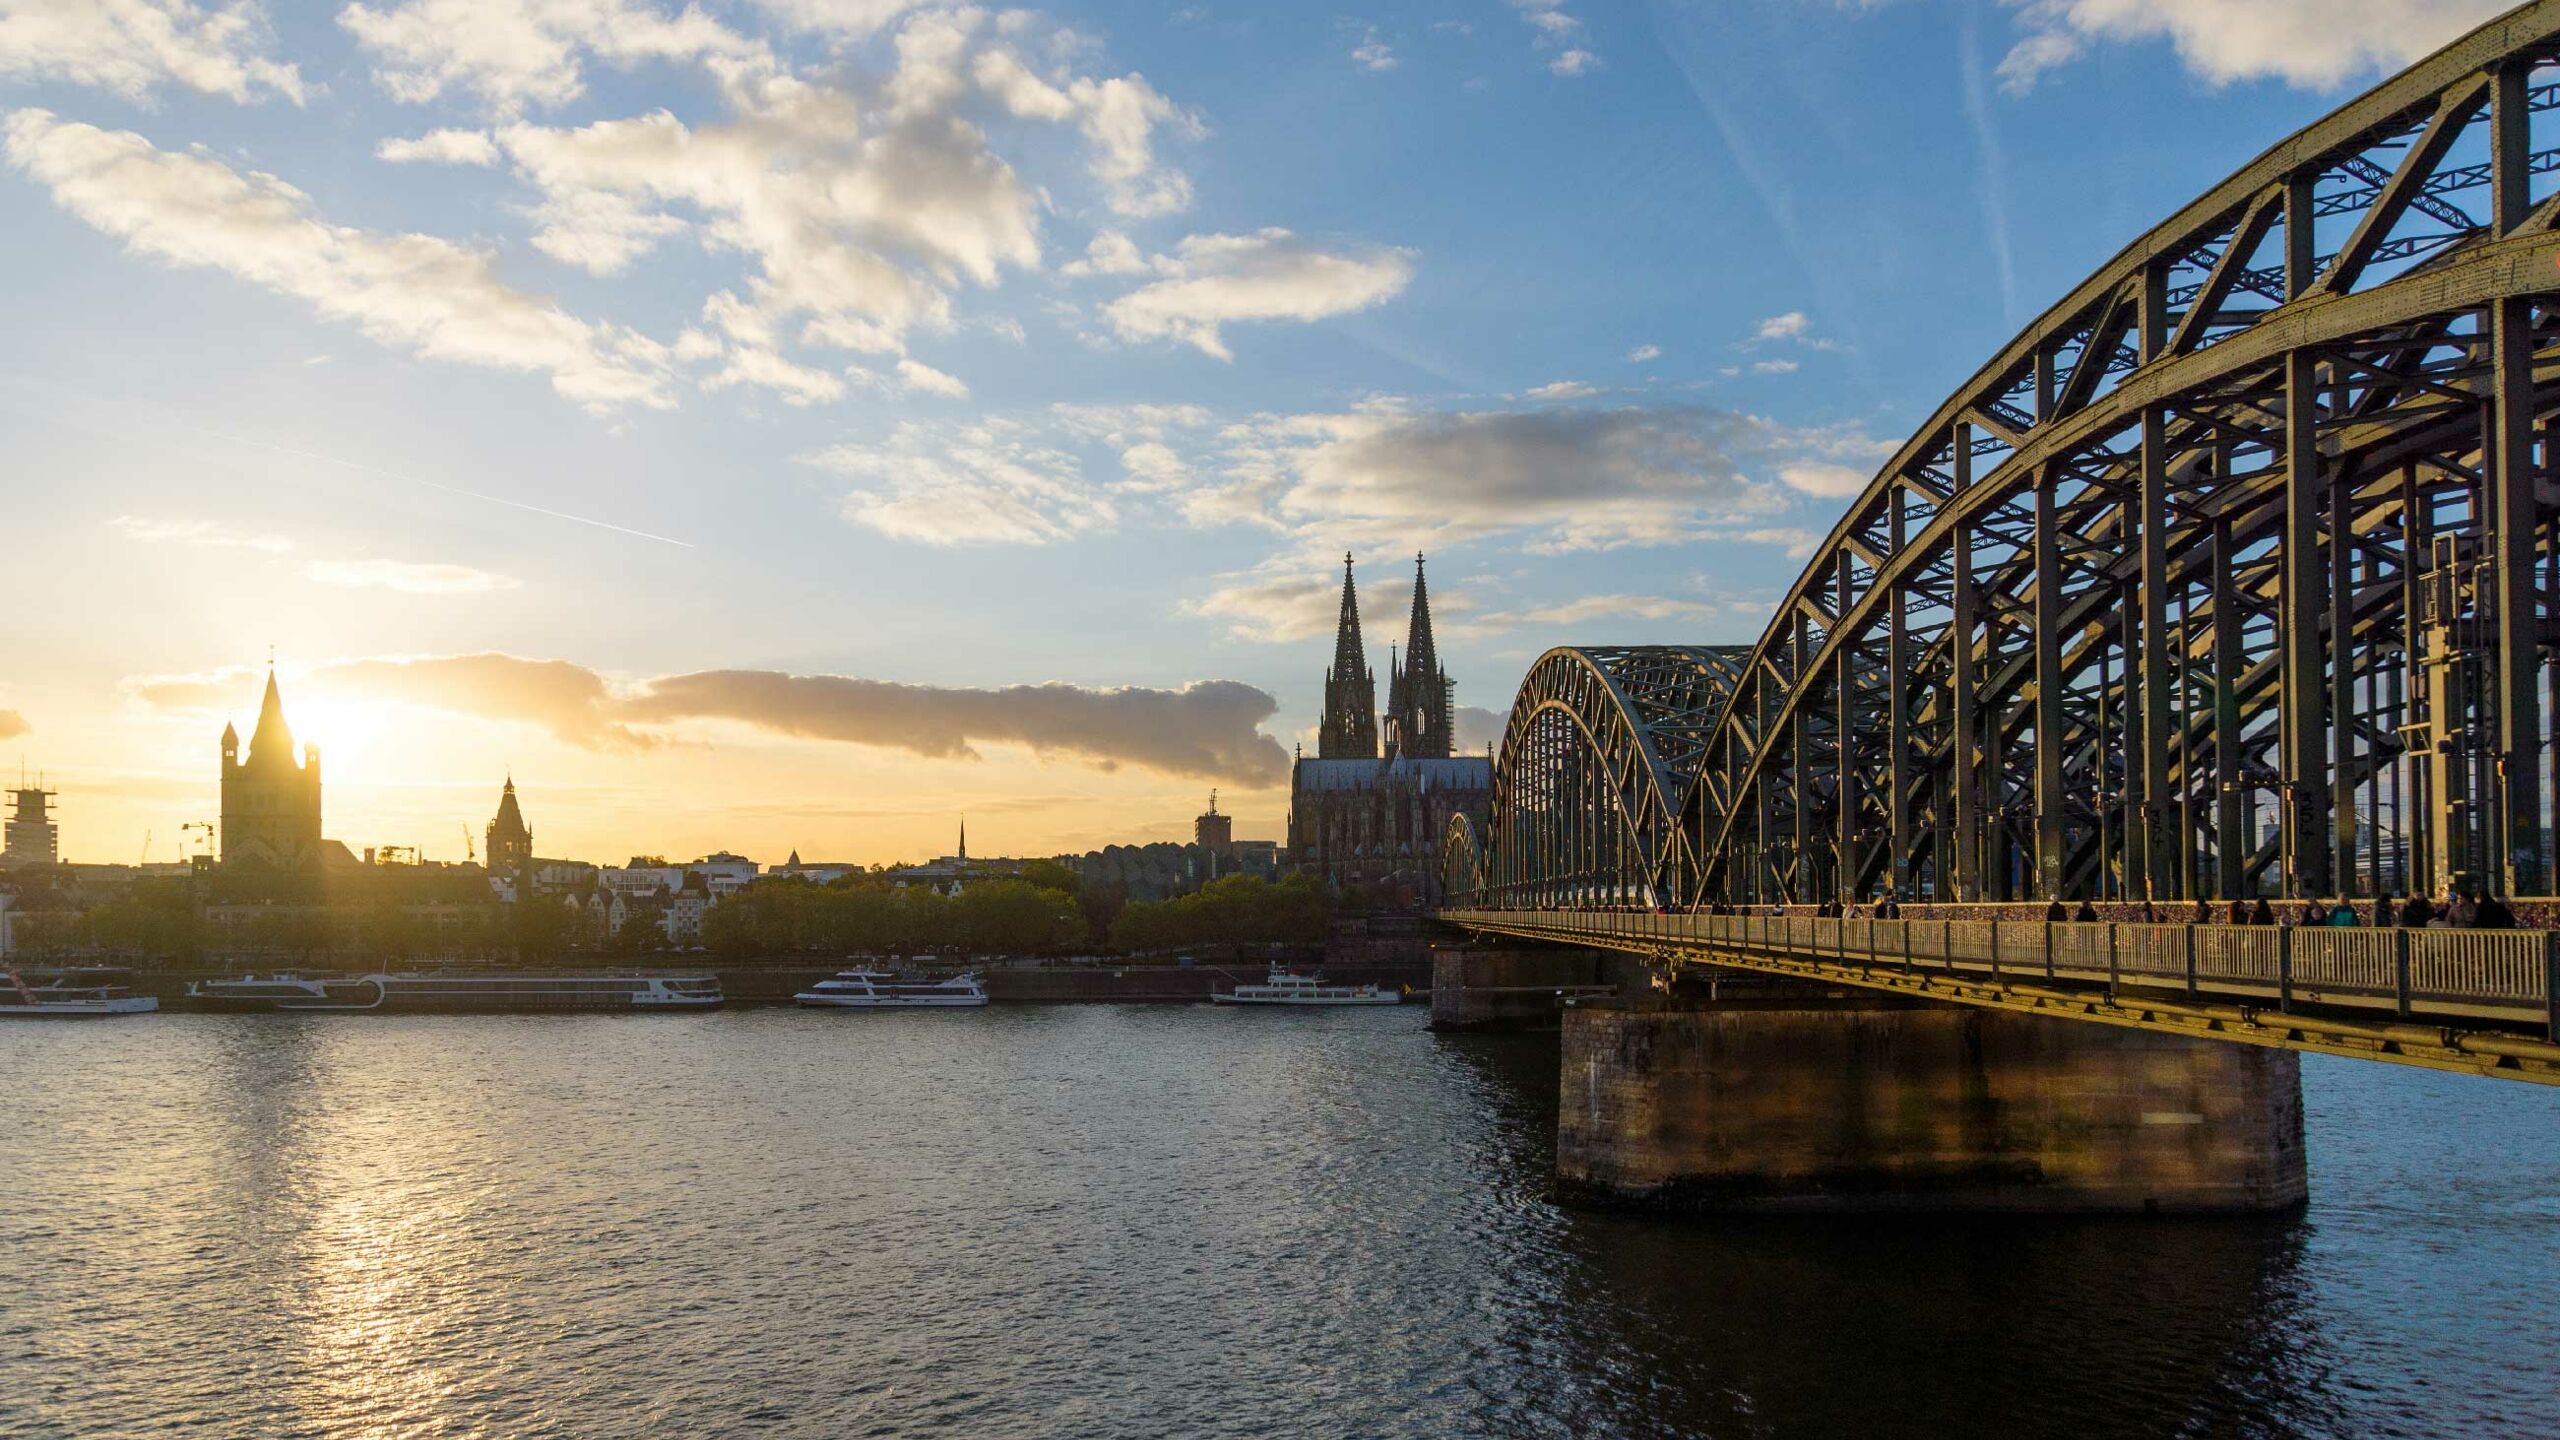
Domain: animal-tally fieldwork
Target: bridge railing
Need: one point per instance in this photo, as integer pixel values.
(2510, 976)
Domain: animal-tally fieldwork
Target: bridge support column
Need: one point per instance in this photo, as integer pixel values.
(1852, 1106)
(1491, 987)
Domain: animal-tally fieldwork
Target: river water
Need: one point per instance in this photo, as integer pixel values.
(1168, 1221)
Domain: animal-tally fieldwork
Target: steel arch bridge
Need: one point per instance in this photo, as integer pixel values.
(2233, 573)
(1601, 750)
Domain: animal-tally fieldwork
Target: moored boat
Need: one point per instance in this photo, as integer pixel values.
(1286, 988)
(880, 990)
(90, 993)
(459, 992)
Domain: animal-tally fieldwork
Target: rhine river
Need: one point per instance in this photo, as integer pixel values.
(1170, 1221)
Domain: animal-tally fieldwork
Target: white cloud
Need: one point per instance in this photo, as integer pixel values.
(427, 295)
(985, 484)
(441, 147)
(1153, 466)
(1213, 280)
(1372, 53)
(132, 47)
(202, 533)
(1559, 31)
(1790, 326)
(1598, 607)
(1108, 253)
(409, 577)
(1564, 390)
(519, 53)
(1775, 367)
(2309, 43)
(1825, 479)
(1644, 354)
(918, 376)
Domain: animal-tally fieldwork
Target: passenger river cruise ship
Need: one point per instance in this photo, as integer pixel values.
(880, 990)
(455, 992)
(89, 993)
(1284, 988)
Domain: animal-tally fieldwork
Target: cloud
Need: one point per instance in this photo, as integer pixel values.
(13, 725)
(1599, 607)
(1373, 54)
(1644, 354)
(1108, 253)
(441, 147)
(409, 577)
(1560, 32)
(1775, 367)
(202, 533)
(1577, 479)
(1473, 727)
(2314, 44)
(132, 47)
(570, 701)
(1564, 390)
(918, 376)
(516, 53)
(1207, 729)
(1830, 481)
(429, 296)
(983, 484)
(1790, 326)
(1213, 280)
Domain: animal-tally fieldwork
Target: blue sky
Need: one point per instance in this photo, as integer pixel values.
(699, 411)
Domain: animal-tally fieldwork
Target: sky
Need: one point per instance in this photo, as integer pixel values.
(794, 424)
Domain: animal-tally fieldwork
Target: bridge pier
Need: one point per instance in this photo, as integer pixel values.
(1521, 987)
(1853, 1104)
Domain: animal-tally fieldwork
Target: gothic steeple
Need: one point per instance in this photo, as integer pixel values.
(1350, 729)
(272, 741)
(1418, 699)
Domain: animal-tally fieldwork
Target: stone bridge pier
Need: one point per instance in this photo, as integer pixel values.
(1821, 1101)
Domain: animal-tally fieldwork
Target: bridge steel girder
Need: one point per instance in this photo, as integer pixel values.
(1602, 748)
(2233, 573)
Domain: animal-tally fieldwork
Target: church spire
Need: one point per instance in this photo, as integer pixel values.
(1350, 728)
(272, 741)
(1418, 700)
(964, 838)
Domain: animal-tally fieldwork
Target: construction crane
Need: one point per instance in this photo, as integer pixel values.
(189, 829)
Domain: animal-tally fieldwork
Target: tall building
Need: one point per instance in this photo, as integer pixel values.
(33, 838)
(270, 801)
(1350, 727)
(1356, 817)
(1212, 831)
(1418, 690)
(510, 847)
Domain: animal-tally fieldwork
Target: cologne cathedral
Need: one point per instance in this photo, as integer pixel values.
(1363, 813)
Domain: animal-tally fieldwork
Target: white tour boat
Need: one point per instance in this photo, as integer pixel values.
(72, 995)
(458, 992)
(1284, 988)
(880, 990)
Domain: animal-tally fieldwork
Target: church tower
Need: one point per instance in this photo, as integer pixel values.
(270, 803)
(1418, 690)
(1350, 730)
(510, 848)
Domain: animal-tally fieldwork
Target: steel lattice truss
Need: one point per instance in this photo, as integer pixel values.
(2234, 572)
(1601, 750)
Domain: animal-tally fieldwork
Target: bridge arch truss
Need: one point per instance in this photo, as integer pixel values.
(2233, 573)
(1602, 746)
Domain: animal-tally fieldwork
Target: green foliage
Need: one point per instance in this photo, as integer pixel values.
(1238, 910)
(863, 913)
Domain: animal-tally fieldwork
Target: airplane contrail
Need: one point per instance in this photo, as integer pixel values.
(25, 383)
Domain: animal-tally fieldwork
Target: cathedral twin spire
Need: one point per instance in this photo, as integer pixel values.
(1418, 690)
